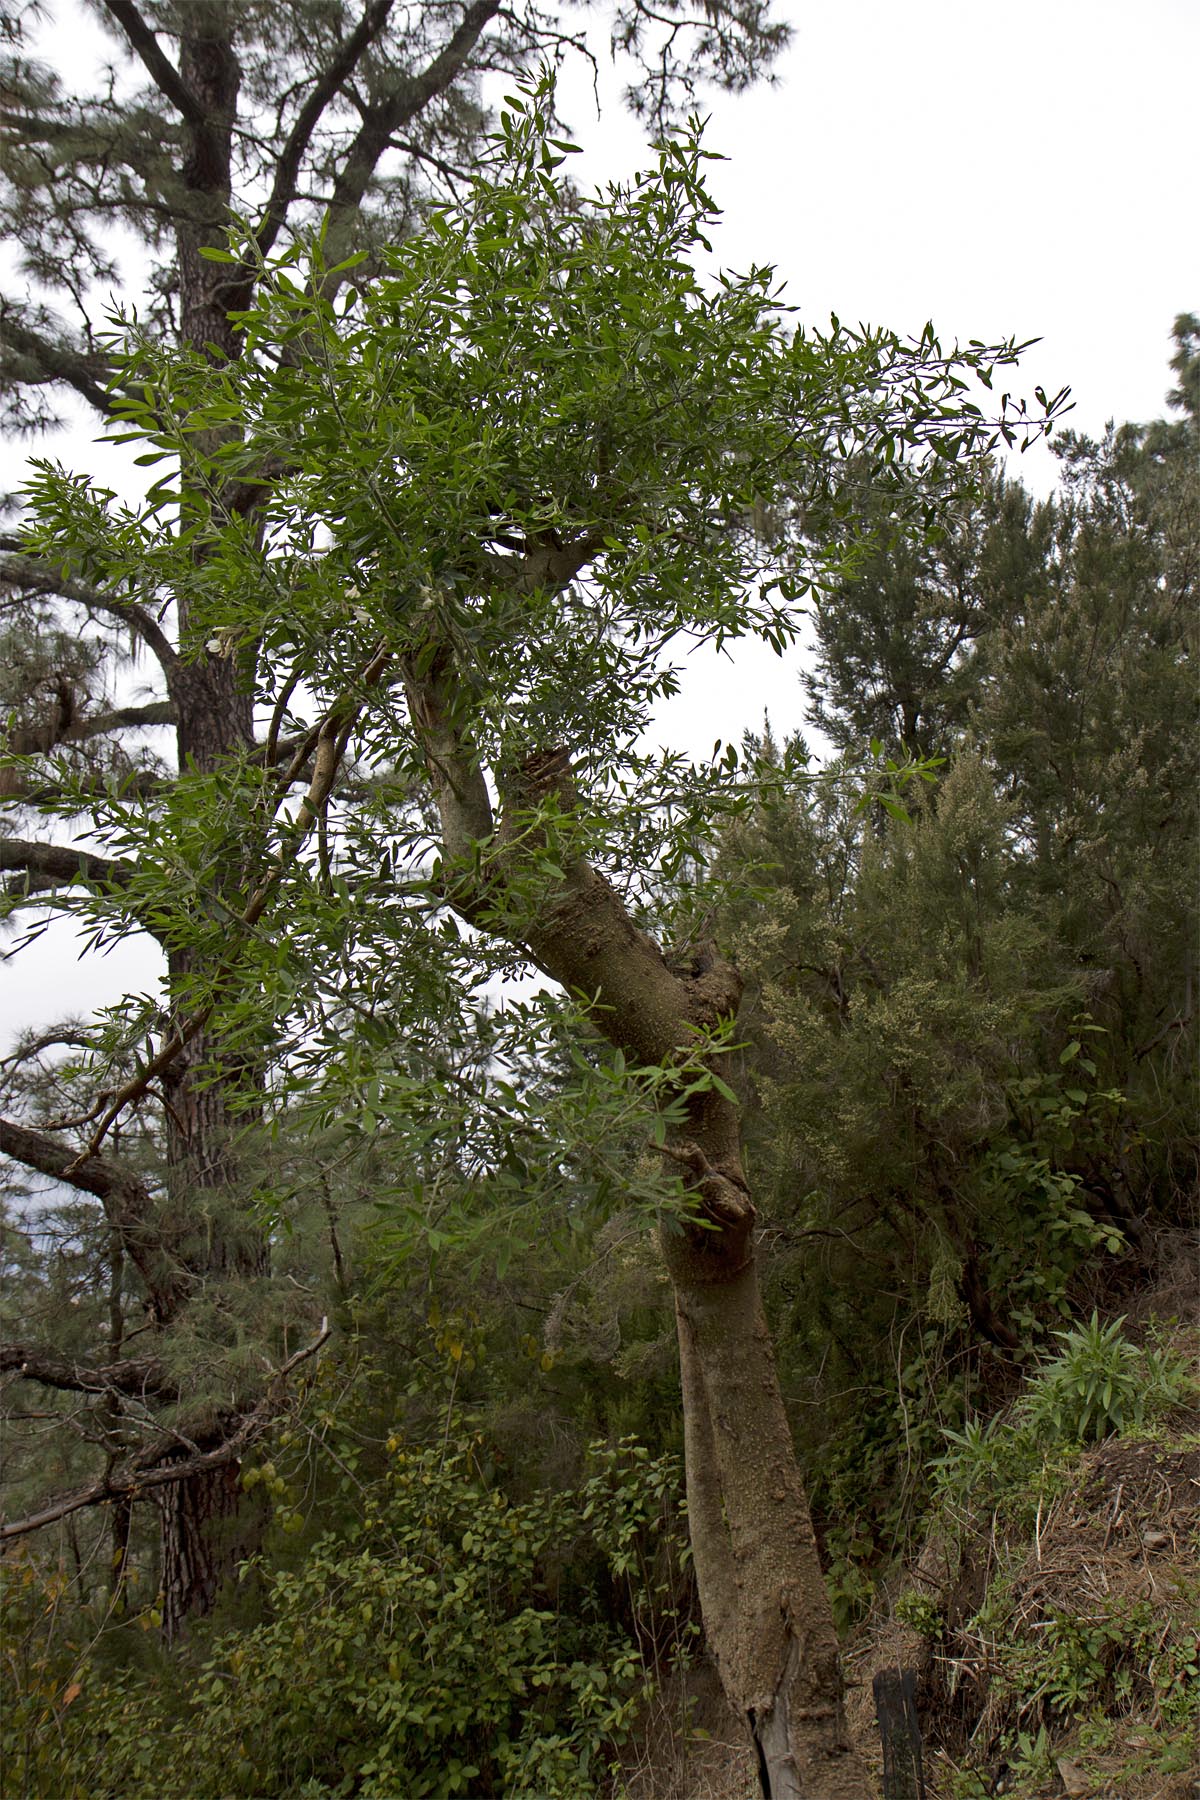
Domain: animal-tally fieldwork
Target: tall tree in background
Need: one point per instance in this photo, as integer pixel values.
(305, 115)
(897, 643)
(1088, 707)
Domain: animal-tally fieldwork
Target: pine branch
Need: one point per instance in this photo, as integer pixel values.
(135, 1377)
(29, 574)
(29, 740)
(410, 96)
(56, 362)
(146, 1475)
(33, 128)
(163, 73)
(15, 785)
(325, 746)
(50, 866)
(327, 85)
(127, 1202)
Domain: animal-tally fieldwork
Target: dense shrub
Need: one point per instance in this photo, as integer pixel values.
(451, 1641)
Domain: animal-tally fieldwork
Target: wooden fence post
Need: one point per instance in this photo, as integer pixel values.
(895, 1693)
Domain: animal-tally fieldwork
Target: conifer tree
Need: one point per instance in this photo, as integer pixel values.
(976, 1027)
(898, 644)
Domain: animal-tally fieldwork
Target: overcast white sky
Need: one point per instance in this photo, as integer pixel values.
(1028, 169)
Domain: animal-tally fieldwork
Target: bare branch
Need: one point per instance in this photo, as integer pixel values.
(49, 361)
(92, 1175)
(454, 173)
(146, 1475)
(459, 786)
(545, 561)
(49, 866)
(135, 1377)
(242, 498)
(270, 750)
(29, 740)
(165, 75)
(283, 191)
(27, 1047)
(1180, 1024)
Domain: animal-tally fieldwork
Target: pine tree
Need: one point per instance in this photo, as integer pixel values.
(897, 645)
(976, 1028)
(1089, 714)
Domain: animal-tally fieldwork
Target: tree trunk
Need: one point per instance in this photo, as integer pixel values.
(121, 1519)
(209, 1242)
(766, 1613)
(201, 1541)
(203, 1538)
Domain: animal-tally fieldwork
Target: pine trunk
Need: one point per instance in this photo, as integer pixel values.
(204, 1535)
(202, 1538)
(204, 1528)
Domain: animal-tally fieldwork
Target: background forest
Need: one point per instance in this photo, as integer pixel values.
(343, 1445)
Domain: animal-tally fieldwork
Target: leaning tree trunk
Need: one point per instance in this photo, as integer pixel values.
(766, 1612)
(767, 1616)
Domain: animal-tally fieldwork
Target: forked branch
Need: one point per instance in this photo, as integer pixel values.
(163, 73)
(324, 89)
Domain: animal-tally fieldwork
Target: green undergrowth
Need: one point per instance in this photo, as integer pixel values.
(447, 1640)
(1070, 1518)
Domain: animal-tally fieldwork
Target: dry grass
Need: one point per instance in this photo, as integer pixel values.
(1113, 1562)
(1119, 1545)
(690, 1747)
